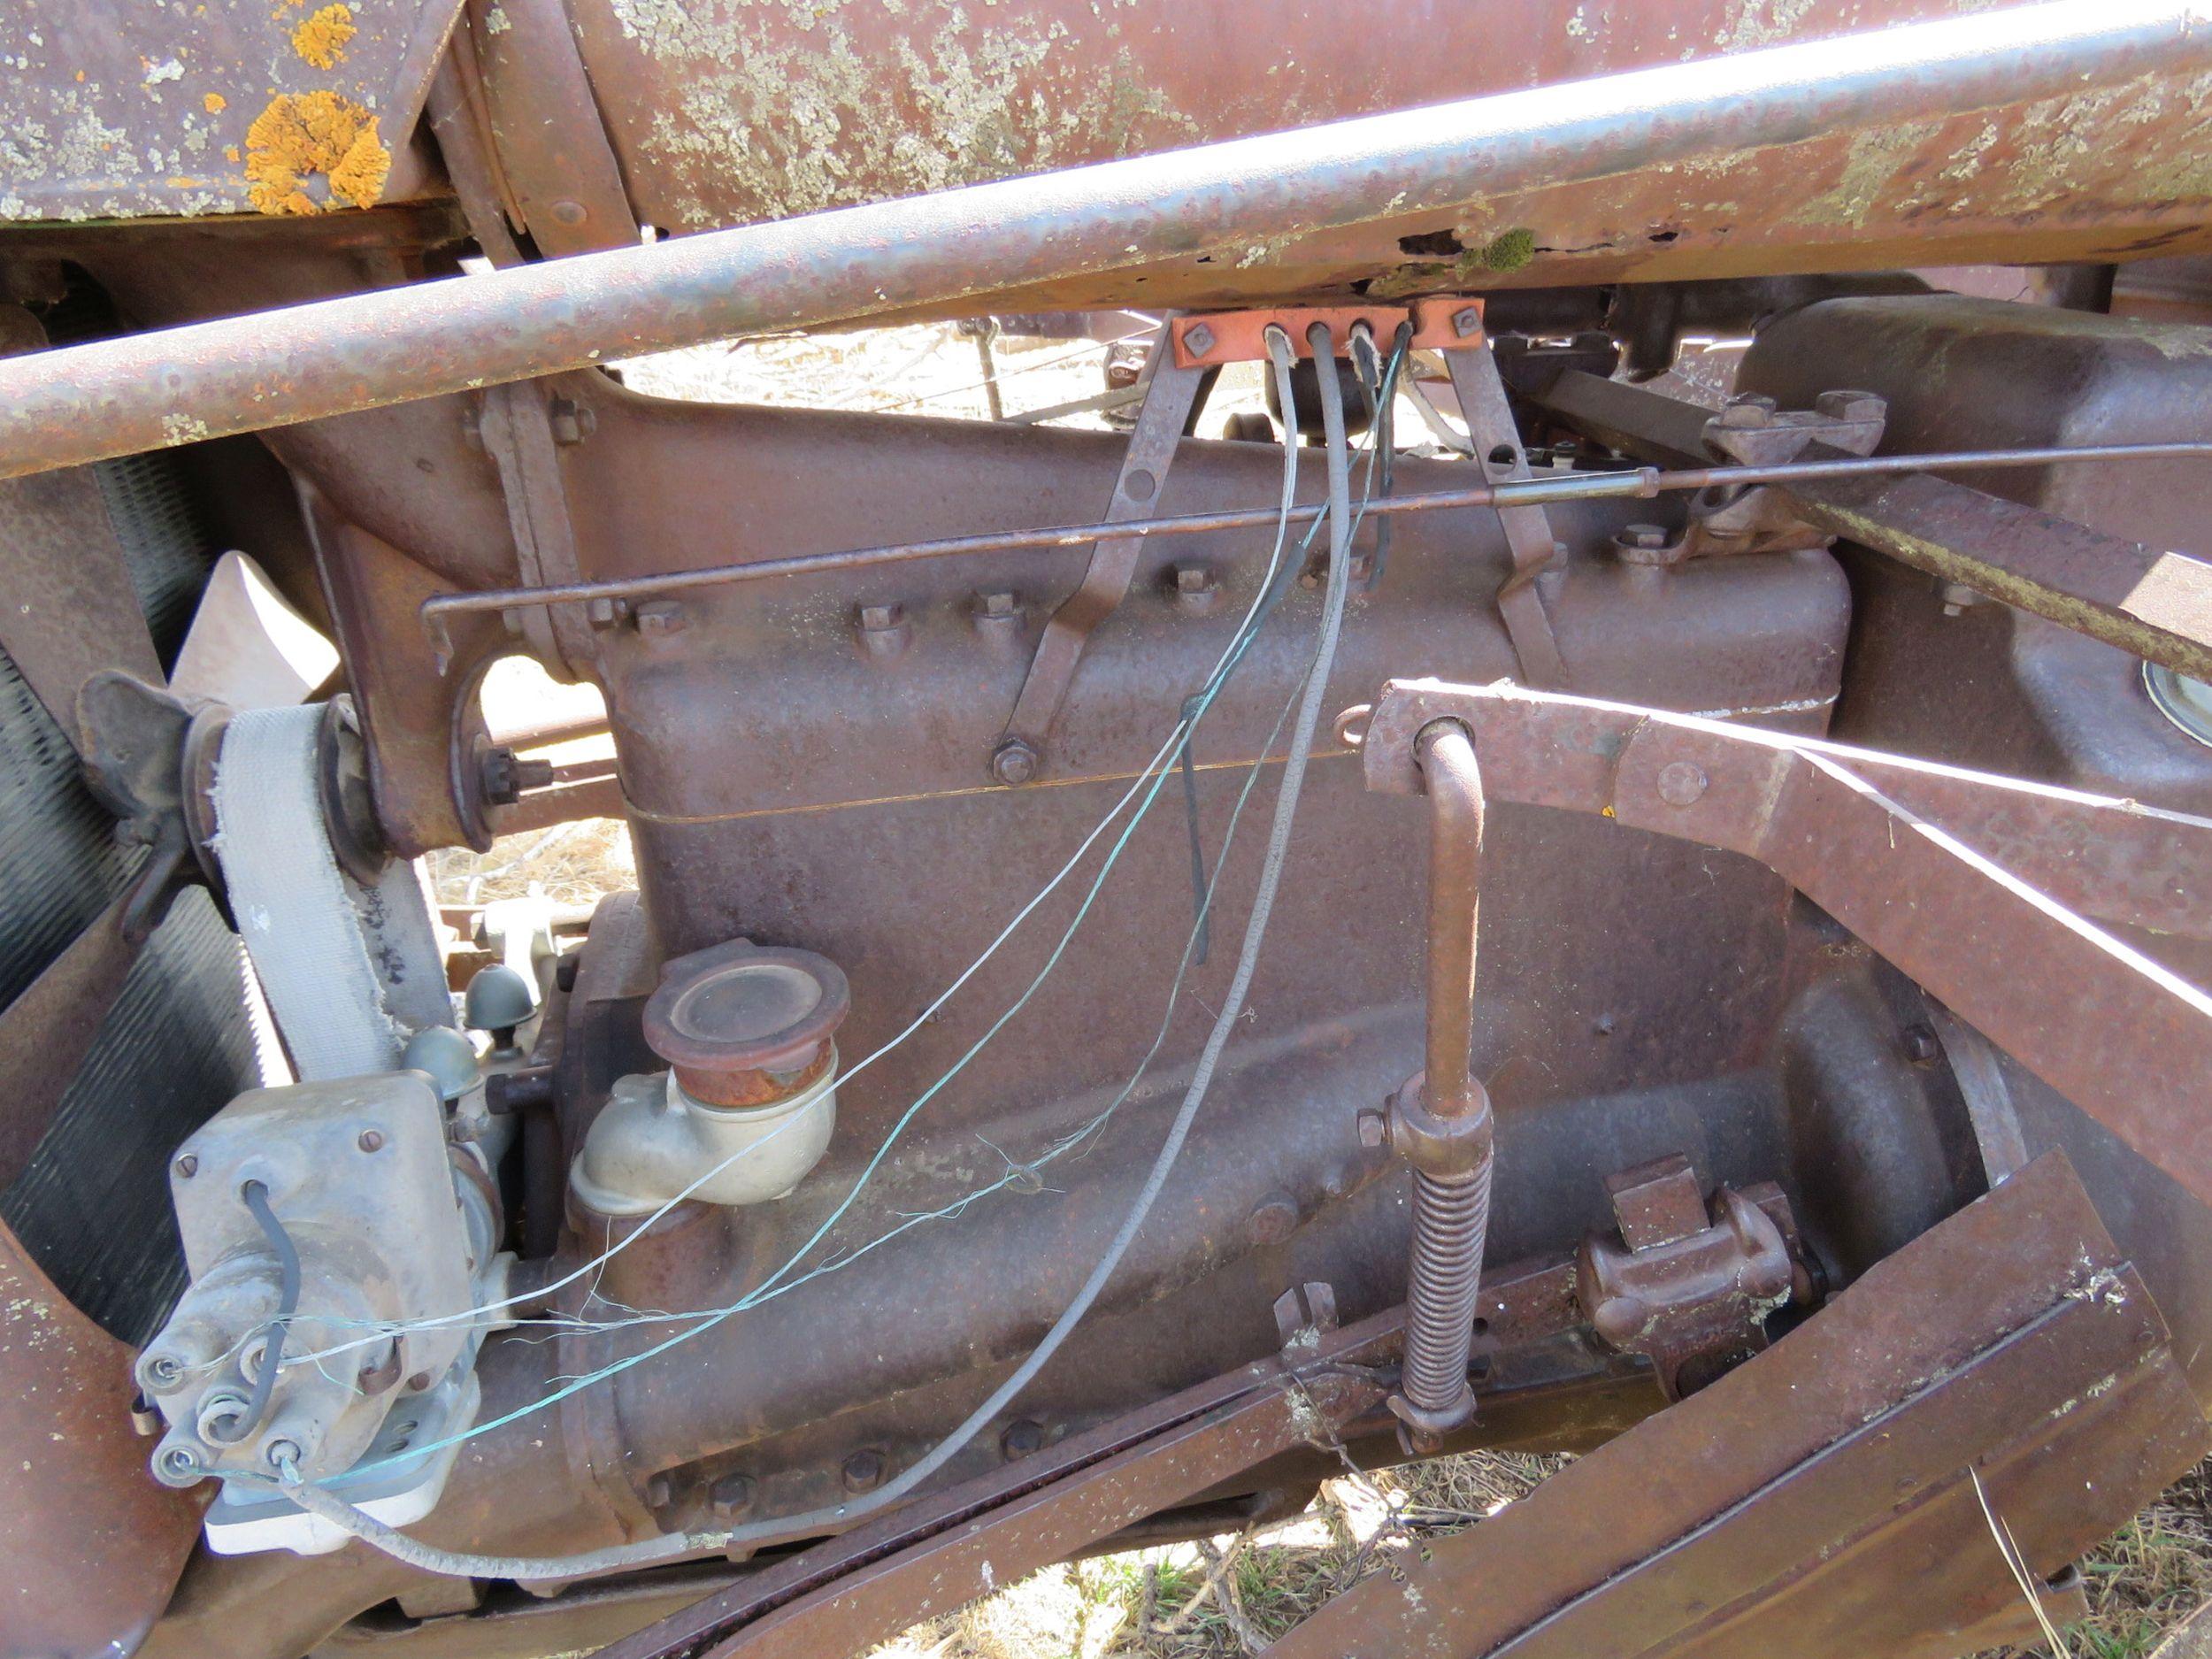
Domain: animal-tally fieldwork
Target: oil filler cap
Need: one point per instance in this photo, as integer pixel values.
(744, 1024)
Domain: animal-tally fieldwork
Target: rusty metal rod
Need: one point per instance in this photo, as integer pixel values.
(1443, 1119)
(1641, 482)
(148, 391)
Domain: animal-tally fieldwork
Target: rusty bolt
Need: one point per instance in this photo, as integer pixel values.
(883, 630)
(1467, 323)
(1273, 1219)
(187, 1166)
(419, 1383)
(994, 605)
(1848, 405)
(1198, 340)
(571, 422)
(1013, 762)
(1023, 1436)
(1921, 1044)
(503, 775)
(604, 613)
(733, 1495)
(1649, 537)
(1681, 783)
(863, 1471)
(1374, 1126)
(1747, 411)
(1193, 588)
(657, 1493)
(660, 618)
(570, 212)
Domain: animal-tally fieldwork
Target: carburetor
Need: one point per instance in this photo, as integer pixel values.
(343, 1252)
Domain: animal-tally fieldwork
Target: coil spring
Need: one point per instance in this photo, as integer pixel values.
(1449, 1219)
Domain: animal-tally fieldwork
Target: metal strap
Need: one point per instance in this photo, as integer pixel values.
(516, 425)
(1169, 396)
(1528, 531)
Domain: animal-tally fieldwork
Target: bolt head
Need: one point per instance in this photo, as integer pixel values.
(371, 1140)
(1467, 322)
(1650, 537)
(1849, 405)
(604, 613)
(995, 605)
(1748, 412)
(1198, 340)
(733, 1494)
(1374, 1127)
(657, 1492)
(187, 1167)
(660, 618)
(877, 619)
(1273, 1219)
(863, 1471)
(1014, 762)
(1681, 783)
(1922, 1047)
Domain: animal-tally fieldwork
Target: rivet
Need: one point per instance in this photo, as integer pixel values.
(1681, 783)
(569, 212)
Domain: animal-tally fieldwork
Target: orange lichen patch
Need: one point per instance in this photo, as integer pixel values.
(214, 103)
(230, 152)
(321, 39)
(300, 136)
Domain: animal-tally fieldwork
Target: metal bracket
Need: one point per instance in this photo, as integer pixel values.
(1499, 452)
(517, 426)
(1168, 395)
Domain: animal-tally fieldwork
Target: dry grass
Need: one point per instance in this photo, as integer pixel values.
(1227, 1596)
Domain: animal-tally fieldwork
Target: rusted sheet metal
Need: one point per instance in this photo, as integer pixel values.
(1824, 1498)
(115, 108)
(2152, 604)
(338, 356)
(758, 112)
(2127, 1041)
(91, 1544)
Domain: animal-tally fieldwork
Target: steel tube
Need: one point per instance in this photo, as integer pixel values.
(334, 357)
(1454, 786)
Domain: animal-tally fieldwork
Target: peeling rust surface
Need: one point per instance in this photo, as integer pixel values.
(113, 110)
(728, 113)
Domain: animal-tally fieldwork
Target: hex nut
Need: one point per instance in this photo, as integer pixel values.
(1013, 762)
(1921, 1046)
(1374, 1126)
